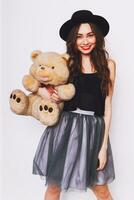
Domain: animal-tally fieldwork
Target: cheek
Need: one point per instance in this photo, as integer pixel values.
(77, 42)
(94, 44)
(94, 40)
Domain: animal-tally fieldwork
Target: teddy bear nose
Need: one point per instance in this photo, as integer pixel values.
(42, 68)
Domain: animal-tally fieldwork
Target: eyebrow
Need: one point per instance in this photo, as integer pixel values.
(82, 34)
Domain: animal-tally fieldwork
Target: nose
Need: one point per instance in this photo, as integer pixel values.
(85, 41)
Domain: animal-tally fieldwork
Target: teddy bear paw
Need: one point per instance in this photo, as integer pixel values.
(18, 102)
(30, 83)
(48, 112)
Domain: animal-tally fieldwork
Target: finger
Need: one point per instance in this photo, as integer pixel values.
(55, 98)
(54, 94)
(57, 102)
(101, 166)
(98, 169)
(55, 91)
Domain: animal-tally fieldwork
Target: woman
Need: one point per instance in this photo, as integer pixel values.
(76, 152)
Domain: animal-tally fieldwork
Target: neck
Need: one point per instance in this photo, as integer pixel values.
(86, 63)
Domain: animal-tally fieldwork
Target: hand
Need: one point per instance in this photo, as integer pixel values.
(55, 97)
(102, 158)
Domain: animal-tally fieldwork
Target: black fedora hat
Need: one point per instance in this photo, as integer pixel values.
(84, 16)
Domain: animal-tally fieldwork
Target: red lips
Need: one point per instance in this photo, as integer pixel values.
(85, 48)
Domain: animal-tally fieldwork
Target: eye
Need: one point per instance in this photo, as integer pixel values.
(91, 35)
(53, 67)
(40, 65)
(78, 36)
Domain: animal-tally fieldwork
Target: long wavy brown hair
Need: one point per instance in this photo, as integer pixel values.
(98, 55)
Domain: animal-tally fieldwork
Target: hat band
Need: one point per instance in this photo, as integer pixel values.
(76, 20)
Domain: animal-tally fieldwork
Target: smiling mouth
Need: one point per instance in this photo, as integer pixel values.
(86, 48)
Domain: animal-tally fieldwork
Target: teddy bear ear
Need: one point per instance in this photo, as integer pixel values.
(34, 54)
(65, 56)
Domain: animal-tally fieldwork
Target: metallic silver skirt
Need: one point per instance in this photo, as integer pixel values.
(67, 153)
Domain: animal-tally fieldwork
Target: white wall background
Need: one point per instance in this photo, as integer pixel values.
(29, 25)
(1, 142)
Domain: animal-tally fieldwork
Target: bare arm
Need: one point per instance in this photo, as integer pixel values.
(107, 117)
(108, 103)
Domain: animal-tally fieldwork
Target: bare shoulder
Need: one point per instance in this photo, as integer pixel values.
(111, 64)
(112, 68)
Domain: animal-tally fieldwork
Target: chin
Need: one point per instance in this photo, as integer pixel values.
(85, 52)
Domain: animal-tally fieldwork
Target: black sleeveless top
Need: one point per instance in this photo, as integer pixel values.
(88, 94)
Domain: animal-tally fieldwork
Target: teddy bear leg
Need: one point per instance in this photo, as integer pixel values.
(19, 102)
(48, 112)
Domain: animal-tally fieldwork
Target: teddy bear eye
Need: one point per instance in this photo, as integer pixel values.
(40, 65)
(52, 67)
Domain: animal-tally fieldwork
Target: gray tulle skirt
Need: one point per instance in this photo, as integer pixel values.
(67, 153)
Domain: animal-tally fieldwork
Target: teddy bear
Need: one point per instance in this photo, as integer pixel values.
(48, 72)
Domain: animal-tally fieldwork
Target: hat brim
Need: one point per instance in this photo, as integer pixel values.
(101, 22)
